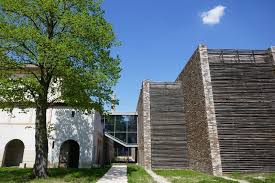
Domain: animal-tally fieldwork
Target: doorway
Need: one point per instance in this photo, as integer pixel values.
(69, 154)
(13, 154)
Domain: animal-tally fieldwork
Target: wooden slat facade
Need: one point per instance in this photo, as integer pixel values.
(243, 84)
(168, 129)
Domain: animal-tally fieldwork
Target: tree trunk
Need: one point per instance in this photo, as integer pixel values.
(41, 142)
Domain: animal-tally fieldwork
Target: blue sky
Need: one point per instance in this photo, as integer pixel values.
(159, 36)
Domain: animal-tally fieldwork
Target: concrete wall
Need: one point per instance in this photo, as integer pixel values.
(85, 129)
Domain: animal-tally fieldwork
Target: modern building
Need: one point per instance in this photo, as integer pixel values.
(217, 116)
(121, 128)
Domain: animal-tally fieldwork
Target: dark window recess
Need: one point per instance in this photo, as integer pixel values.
(73, 113)
(123, 127)
(53, 145)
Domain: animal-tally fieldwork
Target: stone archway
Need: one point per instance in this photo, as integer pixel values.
(69, 154)
(13, 154)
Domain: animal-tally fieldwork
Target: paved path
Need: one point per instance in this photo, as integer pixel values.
(116, 174)
(157, 178)
(240, 181)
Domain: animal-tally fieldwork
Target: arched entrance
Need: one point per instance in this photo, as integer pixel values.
(69, 154)
(13, 154)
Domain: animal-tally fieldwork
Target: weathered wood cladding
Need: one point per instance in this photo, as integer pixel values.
(168, 129)
(239, 126)
(244, 88)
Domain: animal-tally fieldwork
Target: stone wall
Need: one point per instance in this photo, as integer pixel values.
(202, 136)
(144, 126)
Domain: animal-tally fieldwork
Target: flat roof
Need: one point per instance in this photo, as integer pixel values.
(123, 113)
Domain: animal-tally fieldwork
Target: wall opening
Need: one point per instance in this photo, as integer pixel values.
(13, 154)
(69, 154)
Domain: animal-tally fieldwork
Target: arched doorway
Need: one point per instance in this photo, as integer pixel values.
(69, 154)
(14, 152)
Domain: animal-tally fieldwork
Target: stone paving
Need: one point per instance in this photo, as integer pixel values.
(116, 174)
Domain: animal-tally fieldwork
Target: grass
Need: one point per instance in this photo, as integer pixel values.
(19, 175)
(189, 176)
(136, 174)
(255, 177)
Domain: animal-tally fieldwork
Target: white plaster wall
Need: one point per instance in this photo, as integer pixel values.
(18, 125)
(83, 128)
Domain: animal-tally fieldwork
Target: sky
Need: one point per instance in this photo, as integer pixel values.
(159, 36)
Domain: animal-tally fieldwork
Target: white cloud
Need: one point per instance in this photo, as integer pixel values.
(213, 16)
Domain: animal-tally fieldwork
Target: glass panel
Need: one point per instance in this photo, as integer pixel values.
(132, 138)
(132, 124)
(120, 150)
(109, 123)
(121, 136)
(120, 123)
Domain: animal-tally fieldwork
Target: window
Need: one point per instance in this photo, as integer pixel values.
(73, 114)
(123, 127)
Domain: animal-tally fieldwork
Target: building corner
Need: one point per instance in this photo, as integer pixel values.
(210, 112)
(147, 123)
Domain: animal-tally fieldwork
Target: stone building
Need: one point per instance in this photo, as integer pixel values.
(75, 138)
(217, 116)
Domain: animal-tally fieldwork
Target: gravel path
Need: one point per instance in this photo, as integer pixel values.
(116, 174)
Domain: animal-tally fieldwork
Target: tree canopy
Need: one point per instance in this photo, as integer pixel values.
(61, 43)
(55, 51)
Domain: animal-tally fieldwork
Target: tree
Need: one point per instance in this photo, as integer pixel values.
(57, 46)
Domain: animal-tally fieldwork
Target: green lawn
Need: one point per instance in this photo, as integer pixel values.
(189, 176)
(136, 174)
(255, 177)
(56, 175)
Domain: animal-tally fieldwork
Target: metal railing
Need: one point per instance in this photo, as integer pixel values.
(119, 141)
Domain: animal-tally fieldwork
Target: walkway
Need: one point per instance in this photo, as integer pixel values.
(116, 174)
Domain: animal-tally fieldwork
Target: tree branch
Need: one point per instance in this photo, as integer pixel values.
(30, 51)
(27, 16)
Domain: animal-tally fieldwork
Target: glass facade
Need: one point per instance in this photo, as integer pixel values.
(123, 127)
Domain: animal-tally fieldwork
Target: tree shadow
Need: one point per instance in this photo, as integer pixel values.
(79, 127)
(19, 175)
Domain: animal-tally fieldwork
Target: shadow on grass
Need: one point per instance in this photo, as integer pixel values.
(189, 176)
(15, 175)
(55, 175)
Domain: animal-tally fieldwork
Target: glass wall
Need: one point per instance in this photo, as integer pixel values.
(123, 127)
